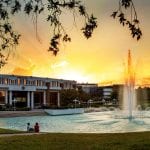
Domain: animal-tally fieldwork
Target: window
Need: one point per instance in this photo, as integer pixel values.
(2, 97)
(18, 81)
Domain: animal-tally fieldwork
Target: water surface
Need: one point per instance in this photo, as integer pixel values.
(96, 122)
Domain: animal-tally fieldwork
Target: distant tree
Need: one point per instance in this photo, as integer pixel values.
(148, 94)
(83, 96)
(114, 95)
(67, 96)
(143, 96)
(8, 8)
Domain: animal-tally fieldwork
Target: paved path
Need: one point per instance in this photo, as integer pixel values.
(21, 134)
(5, 114)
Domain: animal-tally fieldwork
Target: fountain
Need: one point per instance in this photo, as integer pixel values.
(129, 91)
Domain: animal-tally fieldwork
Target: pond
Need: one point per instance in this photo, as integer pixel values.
(95, 122)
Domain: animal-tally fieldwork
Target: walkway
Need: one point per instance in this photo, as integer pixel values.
(21, 134)
(36, 112)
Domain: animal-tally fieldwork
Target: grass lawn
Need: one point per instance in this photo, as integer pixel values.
(66, 141)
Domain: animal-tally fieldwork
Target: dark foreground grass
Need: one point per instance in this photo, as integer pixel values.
(58, 141)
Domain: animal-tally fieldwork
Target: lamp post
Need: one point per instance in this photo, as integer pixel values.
(76, 101)
(14, 103)
(90, 101)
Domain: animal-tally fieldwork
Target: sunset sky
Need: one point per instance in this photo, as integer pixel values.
(100, 59)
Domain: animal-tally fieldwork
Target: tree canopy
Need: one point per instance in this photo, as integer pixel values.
(54, 8)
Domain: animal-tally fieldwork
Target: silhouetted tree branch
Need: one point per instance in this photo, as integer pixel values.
(133, 22)
(9, 38)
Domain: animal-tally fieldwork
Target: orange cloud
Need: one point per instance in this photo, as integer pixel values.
(23, 71)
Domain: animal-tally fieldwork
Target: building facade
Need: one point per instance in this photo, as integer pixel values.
(88, 87)
(31, 92)
(112, 94)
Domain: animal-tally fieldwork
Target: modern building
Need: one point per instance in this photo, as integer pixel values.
(111, 92)
(32, 92)
(90, 88)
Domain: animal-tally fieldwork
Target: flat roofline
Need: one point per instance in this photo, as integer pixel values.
(87, 84)
(12, 75)
(113, 85)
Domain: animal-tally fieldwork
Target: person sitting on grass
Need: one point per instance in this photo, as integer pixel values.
(36, 127)
(29, 129)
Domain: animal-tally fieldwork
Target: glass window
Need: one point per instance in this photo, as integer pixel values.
(2, 97)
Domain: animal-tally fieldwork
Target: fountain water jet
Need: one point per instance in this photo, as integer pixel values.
(129, 90)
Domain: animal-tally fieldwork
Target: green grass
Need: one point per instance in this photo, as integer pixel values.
(8, 131)
(58, 141)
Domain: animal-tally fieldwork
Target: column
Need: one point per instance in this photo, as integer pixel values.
(32, 100)
(28, 99)
(58, 99)
(6, 97)
(44, 98)
(10, 97)
(48, 97)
